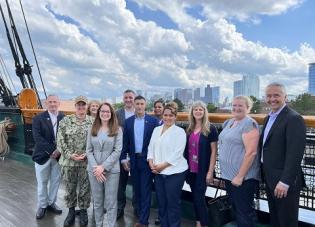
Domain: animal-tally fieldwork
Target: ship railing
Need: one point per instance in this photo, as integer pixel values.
(307, 198)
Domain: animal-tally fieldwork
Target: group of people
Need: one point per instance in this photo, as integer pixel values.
(95, 153)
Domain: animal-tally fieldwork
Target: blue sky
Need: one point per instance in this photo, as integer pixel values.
(147, 14)
(289, 30)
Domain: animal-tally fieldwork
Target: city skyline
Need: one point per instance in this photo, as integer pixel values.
(100, 48)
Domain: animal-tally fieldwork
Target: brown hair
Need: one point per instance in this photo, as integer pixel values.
(112, 123)
(172, 106)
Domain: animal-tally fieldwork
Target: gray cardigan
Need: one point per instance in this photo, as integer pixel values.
(105, 153)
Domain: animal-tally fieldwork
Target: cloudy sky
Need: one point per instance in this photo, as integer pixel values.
(99, 48)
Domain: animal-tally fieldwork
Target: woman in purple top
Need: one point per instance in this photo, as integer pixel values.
(201, 151)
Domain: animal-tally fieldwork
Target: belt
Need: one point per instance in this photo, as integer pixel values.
(139, 155)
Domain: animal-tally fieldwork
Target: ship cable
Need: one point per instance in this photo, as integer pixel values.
(30, 38)
(27, 69)
(18, 67)
(7, 75)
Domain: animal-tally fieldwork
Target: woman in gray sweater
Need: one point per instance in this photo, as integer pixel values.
(104, 144)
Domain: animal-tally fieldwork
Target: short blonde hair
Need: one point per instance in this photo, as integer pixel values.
(248, 101)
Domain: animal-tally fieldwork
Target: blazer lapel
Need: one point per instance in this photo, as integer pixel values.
(278, 120)
(263, 131)
(145, 134)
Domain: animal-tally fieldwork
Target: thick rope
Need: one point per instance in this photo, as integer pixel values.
(4, 146)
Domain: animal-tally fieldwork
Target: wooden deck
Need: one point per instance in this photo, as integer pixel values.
(18, 201)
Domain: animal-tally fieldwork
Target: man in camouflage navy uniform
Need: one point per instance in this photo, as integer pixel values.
(71, 142)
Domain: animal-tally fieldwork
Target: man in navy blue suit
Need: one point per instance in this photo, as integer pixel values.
(137, 134)
(46, 156)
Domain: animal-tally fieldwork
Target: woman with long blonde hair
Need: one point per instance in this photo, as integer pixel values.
(200, 152)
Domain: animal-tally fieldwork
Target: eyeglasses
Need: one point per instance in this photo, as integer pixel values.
(105, 111)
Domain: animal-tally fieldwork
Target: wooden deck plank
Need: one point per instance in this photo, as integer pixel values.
(18, 201)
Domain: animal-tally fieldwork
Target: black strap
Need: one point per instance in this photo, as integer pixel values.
(216, 192)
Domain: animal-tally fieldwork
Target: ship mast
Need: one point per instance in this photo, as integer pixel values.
(24, 72)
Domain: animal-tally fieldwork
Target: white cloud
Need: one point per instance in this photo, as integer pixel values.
(105, 49)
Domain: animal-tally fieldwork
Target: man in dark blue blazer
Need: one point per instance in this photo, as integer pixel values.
(137, 134)
(45, 156)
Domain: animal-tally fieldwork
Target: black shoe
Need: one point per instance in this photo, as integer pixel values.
(40, 213)
(54, 208)
(83, 218)
(105, 211)
(157, 221)
(120, 214)
(70, 217)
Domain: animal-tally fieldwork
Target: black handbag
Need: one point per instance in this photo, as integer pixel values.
(220, 210)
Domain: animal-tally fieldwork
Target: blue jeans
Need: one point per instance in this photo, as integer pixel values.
(242, 199)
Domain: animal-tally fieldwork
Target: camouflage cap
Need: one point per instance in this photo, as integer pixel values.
(81, 98)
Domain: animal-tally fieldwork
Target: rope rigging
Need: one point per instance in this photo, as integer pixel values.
(30, 38)
(7, 74)
(23, 72)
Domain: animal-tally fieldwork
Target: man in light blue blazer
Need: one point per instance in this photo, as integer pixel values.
(137, 134)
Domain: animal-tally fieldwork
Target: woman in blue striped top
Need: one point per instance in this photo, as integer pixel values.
(239, 163)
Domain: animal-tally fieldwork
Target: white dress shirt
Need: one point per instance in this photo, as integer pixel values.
(168, 147)
(53, 118)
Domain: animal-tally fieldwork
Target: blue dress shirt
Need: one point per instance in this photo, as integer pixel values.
(139, 133)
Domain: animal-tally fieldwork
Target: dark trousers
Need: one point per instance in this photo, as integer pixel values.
(283, 212)
(198, 189)
(121, 193)
(242, 199)
(142, 180)
(168, 190)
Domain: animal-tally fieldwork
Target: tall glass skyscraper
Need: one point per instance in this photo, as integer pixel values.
(311, 78)
(248, 86)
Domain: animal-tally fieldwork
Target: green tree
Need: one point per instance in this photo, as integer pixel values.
(211, 108)
(304, 104)
(149, 106)
(256, 105)
(118, 105)
(181, 106)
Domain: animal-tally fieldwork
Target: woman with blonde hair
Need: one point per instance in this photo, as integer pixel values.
(200, 152)
(239, 163)
(166, 160)
(104, 144)
(93, 107)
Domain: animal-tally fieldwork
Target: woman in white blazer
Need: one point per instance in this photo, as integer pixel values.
(166, 160)
(103, 150)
